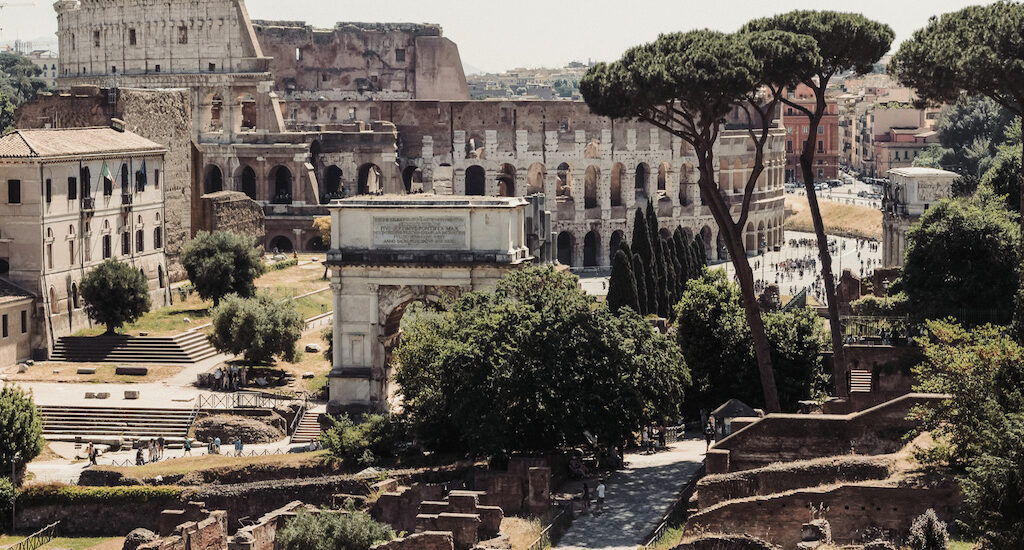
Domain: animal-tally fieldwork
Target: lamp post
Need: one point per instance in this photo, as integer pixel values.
(14, 463)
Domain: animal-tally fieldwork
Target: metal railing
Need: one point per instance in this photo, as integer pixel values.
(678, 507)
(239, 400)
(37, 539)
(298, 419)
(554, 530)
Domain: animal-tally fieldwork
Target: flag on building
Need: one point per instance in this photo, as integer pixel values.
(108, 175)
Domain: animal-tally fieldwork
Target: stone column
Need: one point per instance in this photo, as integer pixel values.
(576, 185)
(577, 247)
(604, 251)
(491, 182)
(628, 187)
(459, 181)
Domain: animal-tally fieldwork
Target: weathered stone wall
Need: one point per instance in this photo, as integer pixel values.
(429, 540)
(106, 519)
(262, 534)
(788, 437)
(232, 211)
(778, 478)
(163, 116)
(851, 511)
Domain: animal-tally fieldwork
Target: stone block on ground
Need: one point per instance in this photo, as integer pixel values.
(433, 507)
(137, 538)
(463, 502)
(429, 540)
(490, 519)
(86, 370)
(312, 348)
(131, 371)
(818, 530)
(465, 528)
(131, 394)
(90, 395)
(540, 489)
(426, 522)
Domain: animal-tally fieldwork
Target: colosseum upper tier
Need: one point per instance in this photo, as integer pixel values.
(294, 116)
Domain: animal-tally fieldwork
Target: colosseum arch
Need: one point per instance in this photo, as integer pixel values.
(281, 181)
(331, 188)
(664, 172)
(565, 246)
(761, 236)
(213, 179)
(615, 241)
(476, 180)
(281, 244)
(618, 173)
(246, 178)
(685, 181)
(507, 180)
(412, 179)
(535, 179)
(751, 238)
(370, 180)
(590, 182)
(641, 181)
(687, 234)
(564, 175)
(591, 249)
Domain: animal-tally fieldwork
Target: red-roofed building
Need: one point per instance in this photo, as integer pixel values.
(826, 153)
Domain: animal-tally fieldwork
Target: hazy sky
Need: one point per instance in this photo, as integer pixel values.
(497, 35)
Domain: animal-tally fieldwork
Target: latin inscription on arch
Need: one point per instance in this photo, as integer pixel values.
(419, 233)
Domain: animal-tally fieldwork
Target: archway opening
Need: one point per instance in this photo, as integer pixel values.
(535, 179)
(590, 180)
(371, 180)
(618, 172)
(281, 244)
(412, 178)
(564, 176)
(332, 184)
(664, 170)
(590, 249)
(248, 182)
(476, 181)
(705, 235)
(214, 180)
(565, 248)
(507, 181)
(643, 174)
(751, 238)
(281, 177)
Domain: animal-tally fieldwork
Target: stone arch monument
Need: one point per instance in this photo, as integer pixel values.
(390, 251)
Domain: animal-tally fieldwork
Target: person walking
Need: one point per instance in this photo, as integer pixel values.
(585, 501)
(238, 446)
(93, 453)
(188, 447)
(709, 434)
(600, 495)
(161, 443)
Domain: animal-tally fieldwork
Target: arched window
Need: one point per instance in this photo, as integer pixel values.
(249, 182)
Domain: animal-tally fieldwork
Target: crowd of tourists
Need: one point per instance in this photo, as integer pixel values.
(229, 378)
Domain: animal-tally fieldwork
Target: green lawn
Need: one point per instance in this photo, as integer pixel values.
(960, 545)
(280, 284)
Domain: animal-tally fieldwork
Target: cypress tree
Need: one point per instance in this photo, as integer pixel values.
(641, 284)
(660, 267)
(685, 258)
(671, 281)
(677, 266)
(695, 249)
(643, 245)
(622, 286)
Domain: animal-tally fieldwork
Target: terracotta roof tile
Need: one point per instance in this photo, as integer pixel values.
(71, 141)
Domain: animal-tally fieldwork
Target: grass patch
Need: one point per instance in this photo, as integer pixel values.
(181, 466)
(70, 543)
(839, 219)
(521, 531)
(44, 372)
(960, 545)
(669, 539)
(281, 284)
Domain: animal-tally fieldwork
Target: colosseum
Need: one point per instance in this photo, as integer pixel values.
(294, 116)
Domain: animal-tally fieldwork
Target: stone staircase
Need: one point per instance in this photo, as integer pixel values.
(308, 428)
(98, 423)
(188, 347)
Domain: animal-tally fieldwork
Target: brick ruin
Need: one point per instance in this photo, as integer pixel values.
(294, 116)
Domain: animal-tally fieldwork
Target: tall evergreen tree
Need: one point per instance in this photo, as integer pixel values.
(671, 279)
(696, 249)
(622, 286)
(660, 267)
(641, 284)
(642, 245)
(683, 253)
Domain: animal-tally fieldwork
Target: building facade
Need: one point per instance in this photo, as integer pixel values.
(797, 124)
(908, 194)
(74, 198)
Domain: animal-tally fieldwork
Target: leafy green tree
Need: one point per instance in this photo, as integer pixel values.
(531, 366)
(7, 109)
(980, 430)
(222, 263)
(259, 328)
(115, 293)
(622, 285)
(963, 260)
(21, 425)
(642, 244)
(18, 84)
(331, 530)
(715, 342)
(1003, 177)
(975, 51)
(8, 494)
(377, 437)
(641, 284)
(846, 42)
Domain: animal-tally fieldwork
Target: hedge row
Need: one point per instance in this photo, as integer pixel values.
(54, 493)
(283, 264)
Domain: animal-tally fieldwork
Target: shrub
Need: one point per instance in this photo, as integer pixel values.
(21, 426)
(928, 533)
(348, 530)
(59, 494)
(7, 495)
(284, 264)
(378, 436)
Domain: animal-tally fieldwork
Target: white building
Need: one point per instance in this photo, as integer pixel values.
(73, 198)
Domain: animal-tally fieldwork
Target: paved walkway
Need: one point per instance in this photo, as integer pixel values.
(637, 498)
